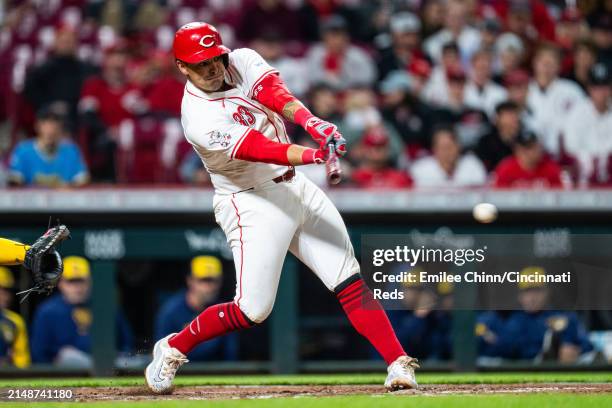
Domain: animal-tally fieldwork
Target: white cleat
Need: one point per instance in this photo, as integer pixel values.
(401, 374)
(160, 373)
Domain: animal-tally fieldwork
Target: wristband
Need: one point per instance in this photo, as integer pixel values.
(301, 116)
(310, 156)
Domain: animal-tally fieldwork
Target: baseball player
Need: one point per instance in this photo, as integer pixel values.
(232, 114)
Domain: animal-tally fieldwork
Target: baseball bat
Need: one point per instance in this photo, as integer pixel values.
(332, 165)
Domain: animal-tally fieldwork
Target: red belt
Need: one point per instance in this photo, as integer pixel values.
(288, 176)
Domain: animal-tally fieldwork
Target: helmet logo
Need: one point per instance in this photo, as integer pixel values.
(207, 41)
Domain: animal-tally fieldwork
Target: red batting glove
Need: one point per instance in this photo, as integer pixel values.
(321, 131)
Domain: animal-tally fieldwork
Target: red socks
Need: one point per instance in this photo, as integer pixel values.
(215, 321)
(370, 320)
(365, 313)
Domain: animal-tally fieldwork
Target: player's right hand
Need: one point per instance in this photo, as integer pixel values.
(325, 133)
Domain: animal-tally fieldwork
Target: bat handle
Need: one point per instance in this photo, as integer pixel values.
(334, 172)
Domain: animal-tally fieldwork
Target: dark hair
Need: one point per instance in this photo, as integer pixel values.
(443, 128)
(450, 46)
(506, 106)
(53, 111)
(586, 43)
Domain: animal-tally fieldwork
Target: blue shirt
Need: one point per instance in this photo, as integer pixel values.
(524, 333)
(424, 337)
(175, 314)
(58, 324)
(491, 333)
(30, 166)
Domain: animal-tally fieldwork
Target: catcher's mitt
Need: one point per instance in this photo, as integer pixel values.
(44, 262)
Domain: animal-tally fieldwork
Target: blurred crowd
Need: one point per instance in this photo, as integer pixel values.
(428, 93)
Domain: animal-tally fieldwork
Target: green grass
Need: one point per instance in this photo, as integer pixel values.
(316, 379)
(364, 401)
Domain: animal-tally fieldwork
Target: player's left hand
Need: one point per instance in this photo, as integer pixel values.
(325, 133)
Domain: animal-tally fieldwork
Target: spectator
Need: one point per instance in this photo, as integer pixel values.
(435, 91)
(336, 62)
(415, 323)
(588, 129)
(447, 167)
(569, 30)
(550, 98)
(324, 103)
(529, 19)
(517, 84)
(491, 333)
(404, 111)
(106, 102)
(405, 30)
(509, 55)
(360, 114)
(49, 160)
(203, 285)
(527, 329)
(62, 324)
(529, 166)
(59, 78)
(14, 349)
(498, 144)
(375, 170)
(601, 28)
(271, 47)
(584, 57)
(480, 91)
(433, 17)
(166, 91)
(456, 29)
(423, 326)
(490, 29)
(470, 123)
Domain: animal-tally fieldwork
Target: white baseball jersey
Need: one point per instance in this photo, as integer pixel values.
(216, 123)
(550, 107)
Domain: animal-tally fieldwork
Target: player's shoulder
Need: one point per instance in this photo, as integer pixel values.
(247, 60)
(243, 55)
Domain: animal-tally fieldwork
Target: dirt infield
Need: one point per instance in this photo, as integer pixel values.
(241, 392)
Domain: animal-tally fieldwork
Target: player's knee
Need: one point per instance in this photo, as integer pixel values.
(258, 312)
(349, 273)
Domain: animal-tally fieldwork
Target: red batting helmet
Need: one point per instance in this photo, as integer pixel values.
(197, 42)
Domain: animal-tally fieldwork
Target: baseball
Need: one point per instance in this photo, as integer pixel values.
(485, 213)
